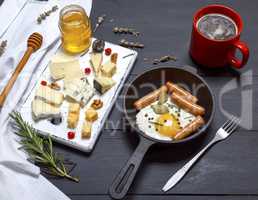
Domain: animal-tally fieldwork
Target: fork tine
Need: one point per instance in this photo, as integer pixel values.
(228, 123)
(235, 122)
(233, 127)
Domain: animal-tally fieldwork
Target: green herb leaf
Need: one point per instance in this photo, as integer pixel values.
(40, 150)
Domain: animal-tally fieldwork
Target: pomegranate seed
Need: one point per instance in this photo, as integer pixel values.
(44, 83)
(87, 70)
(108, 51)
(71, 135)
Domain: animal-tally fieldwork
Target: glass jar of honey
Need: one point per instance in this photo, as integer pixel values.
(75, 28)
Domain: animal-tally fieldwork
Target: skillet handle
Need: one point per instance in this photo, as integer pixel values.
(124, 179)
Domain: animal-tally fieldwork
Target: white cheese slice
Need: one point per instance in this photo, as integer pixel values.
(42, 110)
(49, 95)
(57, 70)
(63, 67)
(96, 61)
(108, 69)
(72, 71)
(79, 90)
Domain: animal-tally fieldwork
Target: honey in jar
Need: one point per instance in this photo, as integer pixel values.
(75, 28)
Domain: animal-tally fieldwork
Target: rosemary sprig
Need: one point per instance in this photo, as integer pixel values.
(40, 150)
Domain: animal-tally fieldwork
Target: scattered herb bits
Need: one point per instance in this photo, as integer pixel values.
(164, 59)
(45, 14)
(121, 30)
(128, 44)
(3, 47)
(100, 20)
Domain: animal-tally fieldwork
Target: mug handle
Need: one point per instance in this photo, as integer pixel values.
(237, 63)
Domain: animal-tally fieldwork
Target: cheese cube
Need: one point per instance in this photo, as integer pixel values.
(74, 108)
(49, 95)
(86, 130)
(108, 69)
(91, 115)
(72, 120)
(43, 110)
(103, 84)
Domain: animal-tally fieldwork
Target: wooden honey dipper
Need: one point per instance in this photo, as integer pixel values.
(34, 43)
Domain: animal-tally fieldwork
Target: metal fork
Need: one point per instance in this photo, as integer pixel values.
(226, 129)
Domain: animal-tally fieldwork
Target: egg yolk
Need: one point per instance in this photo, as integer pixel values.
(167, 125)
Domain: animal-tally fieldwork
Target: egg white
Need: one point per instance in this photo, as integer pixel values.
(142, 121)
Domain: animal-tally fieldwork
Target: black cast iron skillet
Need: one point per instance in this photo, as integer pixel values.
(139, 87)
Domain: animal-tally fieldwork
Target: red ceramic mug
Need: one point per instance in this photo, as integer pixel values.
(218, 53)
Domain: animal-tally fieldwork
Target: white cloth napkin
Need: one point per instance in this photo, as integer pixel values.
(19, 179)
(8, 12)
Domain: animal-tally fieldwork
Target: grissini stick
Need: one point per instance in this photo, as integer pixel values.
(187, 105)
(149, 98)
(34, 43)
(190, 128)
(175, 88)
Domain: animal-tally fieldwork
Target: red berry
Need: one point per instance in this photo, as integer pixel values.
(44, 83)
(87, 70)
(108, 51)
(71, 135)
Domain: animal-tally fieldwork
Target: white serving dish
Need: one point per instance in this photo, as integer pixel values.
(59, 132)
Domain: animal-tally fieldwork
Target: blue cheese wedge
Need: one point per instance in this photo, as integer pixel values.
(79, 90)
(43, 110)
(103, 84)
(49, 95)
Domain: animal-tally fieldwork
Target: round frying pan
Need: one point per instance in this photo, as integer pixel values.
(139, 88)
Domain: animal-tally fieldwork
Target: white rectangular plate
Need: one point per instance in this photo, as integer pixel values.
(59, 132)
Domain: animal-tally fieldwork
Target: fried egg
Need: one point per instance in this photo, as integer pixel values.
(164, 126)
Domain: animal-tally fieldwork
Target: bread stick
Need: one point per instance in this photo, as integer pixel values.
(149, 98)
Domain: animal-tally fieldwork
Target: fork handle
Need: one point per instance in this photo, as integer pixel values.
(182, 172)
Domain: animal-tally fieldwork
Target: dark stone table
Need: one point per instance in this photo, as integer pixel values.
(230, 169)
